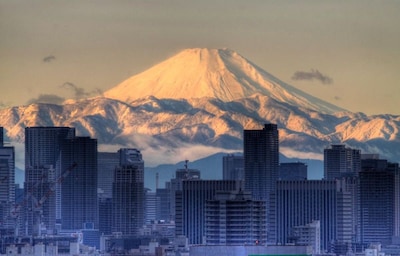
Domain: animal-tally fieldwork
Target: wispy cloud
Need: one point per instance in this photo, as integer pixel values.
(314, 74)
(49, 58)
(46, 98)
(79, 92)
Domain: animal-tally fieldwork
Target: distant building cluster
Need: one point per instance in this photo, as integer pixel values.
(76, 200)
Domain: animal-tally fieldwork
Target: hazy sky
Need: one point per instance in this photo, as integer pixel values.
(345, 52)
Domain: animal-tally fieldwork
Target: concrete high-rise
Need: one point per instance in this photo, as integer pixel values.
(128, 193)
(261, 160)
(233, 218)
(341, 161)
(377, 215)
(7, 189)
(301, 202)
(175, 185)
(106, 164)
(42, 168)
(190, 205)
(79, 203)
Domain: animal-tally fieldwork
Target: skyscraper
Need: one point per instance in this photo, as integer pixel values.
(301, 202)
(42, 167)
(106, 163)
(233, 167)
(175, 185)
(341, 161)
(128, 193)
(377, 202)
(233, 218)
(79, 188)
(261, 160)
(8, 220)
(190, 204)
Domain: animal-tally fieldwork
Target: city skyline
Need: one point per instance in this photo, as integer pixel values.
(337, 51)
(356, 204)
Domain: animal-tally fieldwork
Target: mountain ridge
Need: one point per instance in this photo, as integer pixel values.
(168, 129)
(171, 127)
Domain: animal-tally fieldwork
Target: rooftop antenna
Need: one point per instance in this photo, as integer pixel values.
(186, 169)
(157, 178)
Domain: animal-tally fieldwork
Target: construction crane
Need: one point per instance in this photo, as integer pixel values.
(59, 180)
(37, 204)
(37, 207)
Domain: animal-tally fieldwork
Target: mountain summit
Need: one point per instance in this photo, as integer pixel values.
(213, 73)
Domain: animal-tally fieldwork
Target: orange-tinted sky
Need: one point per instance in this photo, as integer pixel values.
(69, 48)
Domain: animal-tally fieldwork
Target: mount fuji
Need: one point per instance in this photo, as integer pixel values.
(198, 102)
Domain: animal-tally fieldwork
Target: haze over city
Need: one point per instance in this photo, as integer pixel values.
(344, 52)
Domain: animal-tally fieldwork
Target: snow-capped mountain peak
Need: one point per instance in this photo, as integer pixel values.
(215, 73)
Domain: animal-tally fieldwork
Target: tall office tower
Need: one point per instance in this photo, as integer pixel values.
(42, 169)
(302, 201)
(394, 167)
(106, 164)
(105, 215)
(128, 193)
(233, 218)
(79, 203)
(261, 168)
(377, 202)
(340, 161)
(190, 204)
(1, 137)
(261, 160)
(293, 171)
(9, 221)
(233, 167)
(163, 202)
(176, 185)
(150, 205)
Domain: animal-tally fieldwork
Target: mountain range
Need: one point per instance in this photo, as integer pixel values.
(198, 102)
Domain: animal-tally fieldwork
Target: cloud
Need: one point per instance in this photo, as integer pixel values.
(312, 75)
(46, 98)
(78, 91)
(49, 58)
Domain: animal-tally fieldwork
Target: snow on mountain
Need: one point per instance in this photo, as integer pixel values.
(216, 73)
(171, 129)
(198, 103)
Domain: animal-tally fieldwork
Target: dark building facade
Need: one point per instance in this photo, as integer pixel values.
(340, 161)
(42, 169)
(79, 205)
(191, 202)
(301, 202)
(261, 160)
(128, 193)
(378, 198)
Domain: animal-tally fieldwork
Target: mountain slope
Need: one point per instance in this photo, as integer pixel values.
(215, 73)
(198, 103)
(169, 130)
